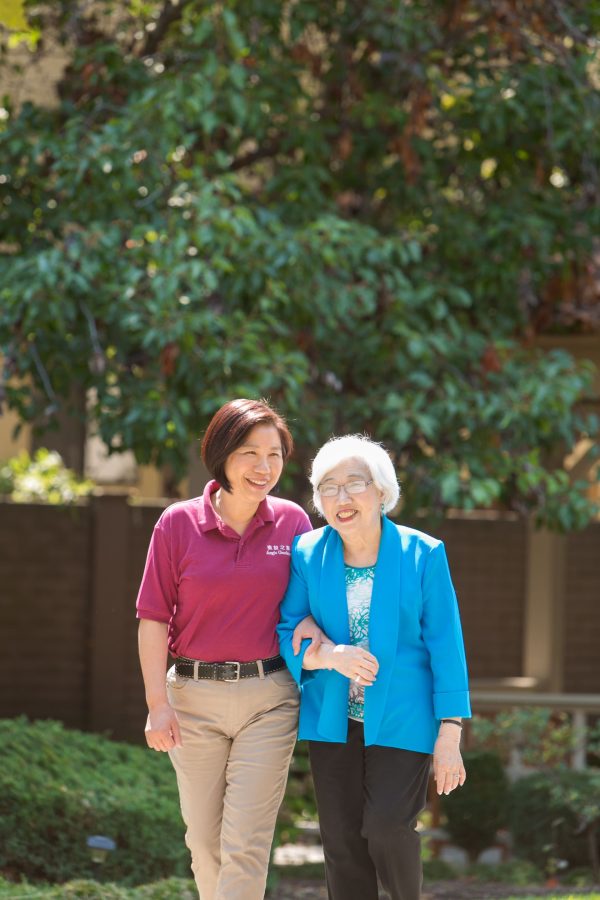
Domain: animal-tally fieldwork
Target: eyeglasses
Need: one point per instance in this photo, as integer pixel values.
(330, 489)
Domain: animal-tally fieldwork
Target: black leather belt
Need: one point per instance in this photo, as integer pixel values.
(227, 671)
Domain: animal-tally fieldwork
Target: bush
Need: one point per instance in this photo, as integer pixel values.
(545, 824)
(299, 801)
(438, 870)
(516, 872)
(58, 787)
(84, 889)
(477, 810)
(43, 479)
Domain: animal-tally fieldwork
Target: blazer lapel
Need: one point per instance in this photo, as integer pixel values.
(332, 591)
(333, 719)
(384, 619)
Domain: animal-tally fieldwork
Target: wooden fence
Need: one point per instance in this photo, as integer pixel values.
(69, 579)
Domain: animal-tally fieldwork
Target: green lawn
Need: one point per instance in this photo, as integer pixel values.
(169, 889)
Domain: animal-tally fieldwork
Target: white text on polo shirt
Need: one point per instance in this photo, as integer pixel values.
(278, 550)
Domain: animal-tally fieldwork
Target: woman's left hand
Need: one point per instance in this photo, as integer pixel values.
(448, 769)
(308, 628)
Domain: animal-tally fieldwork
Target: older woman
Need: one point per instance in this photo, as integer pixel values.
(217, 568)
(391, 686)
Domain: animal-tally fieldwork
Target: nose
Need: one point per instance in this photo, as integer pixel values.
(342, 487)
(262, 465)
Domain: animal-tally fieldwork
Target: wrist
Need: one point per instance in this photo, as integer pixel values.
(156, 701)
(325, 654)
(449, 732)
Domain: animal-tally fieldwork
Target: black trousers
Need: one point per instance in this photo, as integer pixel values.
(368, 800)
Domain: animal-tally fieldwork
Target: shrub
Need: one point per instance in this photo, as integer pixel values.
(43, 479)
(84, 889)
(545, 738)
(477, 810)
(545, 817)
(438, 870)
(57, 787)
(299, 801)
(516, 871)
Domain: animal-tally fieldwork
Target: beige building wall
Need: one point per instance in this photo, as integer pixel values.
(9, 445)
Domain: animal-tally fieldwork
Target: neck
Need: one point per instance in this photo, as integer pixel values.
(362, 549)
(235, 512)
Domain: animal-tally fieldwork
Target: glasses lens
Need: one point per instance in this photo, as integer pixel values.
(352, 487)
(328, 490)
(355, 487)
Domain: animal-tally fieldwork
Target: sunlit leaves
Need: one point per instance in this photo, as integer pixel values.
(360, 222)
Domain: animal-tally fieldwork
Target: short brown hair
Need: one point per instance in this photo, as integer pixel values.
(227, 431)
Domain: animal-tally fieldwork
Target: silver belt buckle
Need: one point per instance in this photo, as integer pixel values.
(232, 662)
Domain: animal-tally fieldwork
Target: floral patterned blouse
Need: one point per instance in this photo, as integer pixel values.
(359, 587)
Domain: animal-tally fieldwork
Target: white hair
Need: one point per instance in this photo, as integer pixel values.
(360, 447)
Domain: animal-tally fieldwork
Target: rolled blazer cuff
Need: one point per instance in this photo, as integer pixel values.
(452, 704)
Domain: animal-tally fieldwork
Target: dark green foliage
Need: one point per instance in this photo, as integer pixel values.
(57, 787)
(516, 871)
(299, 802)
(365, 214)
(477, 810)
(87, 889)
(438, 870)
(548, 819)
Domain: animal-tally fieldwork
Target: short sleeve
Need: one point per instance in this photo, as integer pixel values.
(157, 595)
(303, 525)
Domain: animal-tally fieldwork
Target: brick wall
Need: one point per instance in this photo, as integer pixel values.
(488, 560)
(44, 604)
(133, 708)
(69, 578)
(582, 612)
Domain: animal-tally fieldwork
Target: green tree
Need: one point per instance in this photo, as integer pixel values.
(363, 211)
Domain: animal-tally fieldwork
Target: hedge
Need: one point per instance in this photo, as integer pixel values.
(58, 787)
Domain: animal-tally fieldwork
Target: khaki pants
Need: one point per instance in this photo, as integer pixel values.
(231, 771)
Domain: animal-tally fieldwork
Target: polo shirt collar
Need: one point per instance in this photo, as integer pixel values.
(208, 518)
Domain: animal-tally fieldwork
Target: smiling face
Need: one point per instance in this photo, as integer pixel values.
(254, 468)
(352, 514)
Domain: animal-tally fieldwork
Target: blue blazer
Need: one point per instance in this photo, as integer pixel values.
(414, 631)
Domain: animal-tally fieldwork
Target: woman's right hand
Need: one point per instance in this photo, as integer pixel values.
(162, 728)
(355, 663)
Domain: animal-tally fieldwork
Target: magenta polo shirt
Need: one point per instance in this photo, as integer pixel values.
(219, 592)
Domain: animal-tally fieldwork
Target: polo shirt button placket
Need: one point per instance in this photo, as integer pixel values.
(243, 557)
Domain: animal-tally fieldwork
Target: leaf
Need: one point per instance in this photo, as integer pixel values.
(12, 15)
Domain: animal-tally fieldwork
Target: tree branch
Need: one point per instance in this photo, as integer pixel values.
(265, 152)
(171, 13)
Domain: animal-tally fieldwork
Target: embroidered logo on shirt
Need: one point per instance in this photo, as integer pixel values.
(279, 550)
